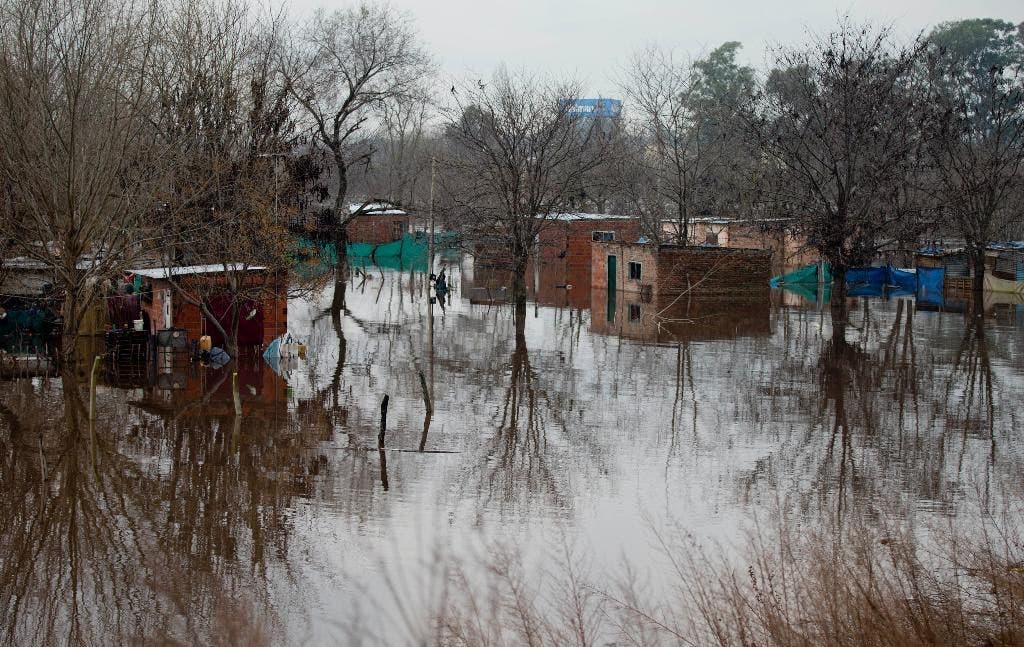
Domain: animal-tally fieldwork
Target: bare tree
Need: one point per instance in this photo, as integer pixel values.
(517, 155)
(690, 146)
(840, 124)
(77, 158)
(345, 68)
(977, 153)
(404, 146)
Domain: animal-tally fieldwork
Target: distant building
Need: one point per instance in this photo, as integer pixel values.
(380, 223)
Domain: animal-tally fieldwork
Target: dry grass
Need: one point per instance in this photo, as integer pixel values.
(858, 586)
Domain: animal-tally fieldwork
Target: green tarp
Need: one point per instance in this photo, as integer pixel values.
(806, 274)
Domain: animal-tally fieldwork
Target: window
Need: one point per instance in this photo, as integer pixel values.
(711, 238)
(397, 229)
(634, 271)
(604, 236)
(634, 312)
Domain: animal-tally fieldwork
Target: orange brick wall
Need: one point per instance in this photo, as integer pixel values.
(377, 228)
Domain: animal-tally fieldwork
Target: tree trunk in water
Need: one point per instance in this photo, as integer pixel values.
(70, 324)
(978, 278)
(340, 270)
(838, 303)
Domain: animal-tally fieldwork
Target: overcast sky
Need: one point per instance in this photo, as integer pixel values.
(592, 40)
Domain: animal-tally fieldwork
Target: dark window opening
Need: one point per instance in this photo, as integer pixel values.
(634, 312)
(711, 238)
(634, 271)
(604, 236)
(397, 229)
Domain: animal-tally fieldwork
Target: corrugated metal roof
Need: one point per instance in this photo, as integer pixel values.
(568, 217)
(188, 270)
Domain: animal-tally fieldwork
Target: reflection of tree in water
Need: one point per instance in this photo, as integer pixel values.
(887, 414)
(144, 531)
(522, 457)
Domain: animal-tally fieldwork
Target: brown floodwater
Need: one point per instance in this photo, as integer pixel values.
(585, 419)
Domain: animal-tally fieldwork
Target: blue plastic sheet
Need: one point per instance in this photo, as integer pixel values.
(929, 284)
(903, 280)
(856, 276)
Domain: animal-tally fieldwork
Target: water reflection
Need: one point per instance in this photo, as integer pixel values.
(173, 519)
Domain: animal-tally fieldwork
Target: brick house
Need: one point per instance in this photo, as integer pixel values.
(262, 318)
(380, 224)
(564, 256)
(657, 270)
(789, 249)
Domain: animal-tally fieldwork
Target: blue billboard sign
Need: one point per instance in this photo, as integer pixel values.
(594, 107)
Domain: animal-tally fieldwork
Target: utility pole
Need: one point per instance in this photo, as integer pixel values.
(430, 211)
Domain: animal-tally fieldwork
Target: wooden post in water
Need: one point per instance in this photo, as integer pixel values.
(92, 387)
(234, 394)
(380, 442)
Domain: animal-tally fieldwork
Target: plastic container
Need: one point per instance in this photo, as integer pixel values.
(139, 324)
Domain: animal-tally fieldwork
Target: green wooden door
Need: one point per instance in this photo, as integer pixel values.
(612, 275)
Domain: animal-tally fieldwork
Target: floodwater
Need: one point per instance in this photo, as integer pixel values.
(585, 421)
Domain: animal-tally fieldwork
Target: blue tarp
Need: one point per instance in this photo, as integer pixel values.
(903, 280)
(929, 284)
(866, 275)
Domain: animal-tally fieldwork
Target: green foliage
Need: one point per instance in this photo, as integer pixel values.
(981, 43)
(720, 78)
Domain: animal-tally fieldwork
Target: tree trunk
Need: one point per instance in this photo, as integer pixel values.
(978, 267)
(519, 291)
(339, 236)
(70, 323)
(838, 303)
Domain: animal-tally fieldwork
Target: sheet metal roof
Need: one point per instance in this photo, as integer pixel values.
(189, 270)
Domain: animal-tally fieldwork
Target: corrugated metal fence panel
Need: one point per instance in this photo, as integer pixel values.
(957, 266)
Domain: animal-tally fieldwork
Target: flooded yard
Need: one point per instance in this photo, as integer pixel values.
(589, 423)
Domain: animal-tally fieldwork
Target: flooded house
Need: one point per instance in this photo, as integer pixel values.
(261, 302)
(654, 270)
(564, 246)
(559, 271)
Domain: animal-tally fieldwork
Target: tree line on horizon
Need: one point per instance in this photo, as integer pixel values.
(195, 131)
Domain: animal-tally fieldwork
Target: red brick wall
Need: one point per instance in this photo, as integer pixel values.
(713, 270)
(273, 301)
(669, 269)
(377, 228)
(572, 240)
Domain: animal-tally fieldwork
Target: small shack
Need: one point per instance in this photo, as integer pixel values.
(260, 300)
(378, 223)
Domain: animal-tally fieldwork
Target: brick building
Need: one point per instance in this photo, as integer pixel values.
(789, 249)
(262, 317)
(564, 259)
(379, 224)
(657, 270)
